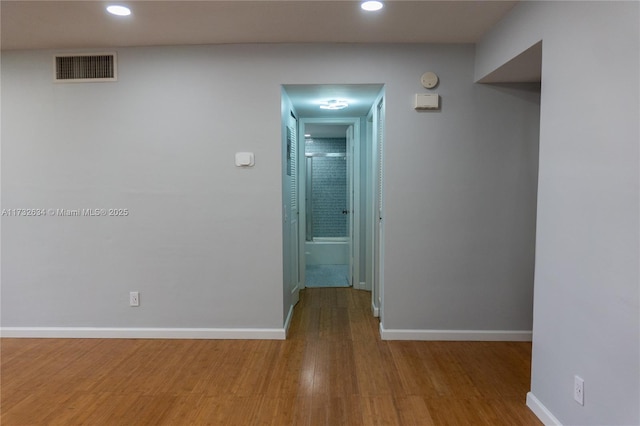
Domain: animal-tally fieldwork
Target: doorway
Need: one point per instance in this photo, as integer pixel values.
(336, 211)
(330, 210)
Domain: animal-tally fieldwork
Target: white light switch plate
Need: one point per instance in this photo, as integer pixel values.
(245, 159)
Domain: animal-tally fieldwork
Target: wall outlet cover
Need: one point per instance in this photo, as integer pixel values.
(134, 298)
(578, 389)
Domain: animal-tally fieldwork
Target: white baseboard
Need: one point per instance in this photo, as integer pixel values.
(457, 335)
(287, 322)
(375, 310)
(144, 333)
(541, 411)
(362, 285)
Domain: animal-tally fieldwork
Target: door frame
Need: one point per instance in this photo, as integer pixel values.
(375, 201)
(354, 254)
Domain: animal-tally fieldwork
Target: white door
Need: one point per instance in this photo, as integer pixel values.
(350, 201)
(378, 227)
(292, 142)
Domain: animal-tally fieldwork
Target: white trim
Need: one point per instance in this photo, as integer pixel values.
(457, 335)
(287, 322)
(144, 333)
(376, 312)
(541, 411)
(356, 205)
(377, 152)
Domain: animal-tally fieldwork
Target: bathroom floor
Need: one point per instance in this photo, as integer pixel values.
(327, 276)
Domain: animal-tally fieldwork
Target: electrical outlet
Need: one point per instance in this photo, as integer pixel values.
(134, 298)
(578, 389)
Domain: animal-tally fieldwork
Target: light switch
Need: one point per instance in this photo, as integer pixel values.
(427, 101)
(244, 159)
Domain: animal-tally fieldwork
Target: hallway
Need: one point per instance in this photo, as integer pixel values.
(351, 377)
(332, 370)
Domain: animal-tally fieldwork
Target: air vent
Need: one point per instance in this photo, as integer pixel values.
(85, 68)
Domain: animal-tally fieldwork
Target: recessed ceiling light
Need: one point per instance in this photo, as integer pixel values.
(334, 104)
(119, 10)
(371, 6)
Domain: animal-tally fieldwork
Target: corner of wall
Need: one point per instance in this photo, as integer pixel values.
(541, 411)
(502, 44)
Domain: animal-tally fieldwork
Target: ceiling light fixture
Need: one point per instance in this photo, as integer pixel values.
(371, 6)
(119, 10)
(334, 104)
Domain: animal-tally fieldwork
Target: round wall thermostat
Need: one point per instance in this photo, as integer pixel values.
(429, 80)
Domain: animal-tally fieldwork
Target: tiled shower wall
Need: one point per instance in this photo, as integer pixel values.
(329, 187)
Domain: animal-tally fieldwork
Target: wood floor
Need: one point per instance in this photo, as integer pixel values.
(332, 370)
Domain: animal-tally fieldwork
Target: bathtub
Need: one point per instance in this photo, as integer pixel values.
(327, 251)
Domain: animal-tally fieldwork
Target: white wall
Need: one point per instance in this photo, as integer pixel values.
(586, 314)
(203, 241)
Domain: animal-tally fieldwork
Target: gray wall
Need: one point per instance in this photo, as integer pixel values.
(460, 201)
(203, 241)
(586, 315)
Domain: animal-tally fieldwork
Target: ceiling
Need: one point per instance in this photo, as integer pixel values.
(306, 98)
(55, 24)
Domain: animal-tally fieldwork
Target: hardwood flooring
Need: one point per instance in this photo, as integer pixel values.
(332, 370)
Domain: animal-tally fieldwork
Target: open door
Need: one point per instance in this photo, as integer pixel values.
(350, 202)
(292, 170)
(378, 215)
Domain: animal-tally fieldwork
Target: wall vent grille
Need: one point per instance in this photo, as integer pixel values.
(76, 68)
